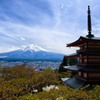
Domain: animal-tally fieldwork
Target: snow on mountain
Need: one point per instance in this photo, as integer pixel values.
(32, 52)
(34, 47)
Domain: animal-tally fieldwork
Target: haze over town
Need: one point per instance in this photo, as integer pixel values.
(48, 23)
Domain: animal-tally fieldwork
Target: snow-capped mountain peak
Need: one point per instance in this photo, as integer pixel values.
(34, 47)
(31, 53)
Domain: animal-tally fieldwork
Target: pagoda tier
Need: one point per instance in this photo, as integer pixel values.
(86, 43)
(74, 82)
(86, 57)
(86, 73)
(78, 83)
(88, 66)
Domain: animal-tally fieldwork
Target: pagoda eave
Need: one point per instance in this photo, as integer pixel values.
(85, 53)
(86, 68)
(73, 67)
(74, 44)
(74, 82)
(78, 83)
(81, 40)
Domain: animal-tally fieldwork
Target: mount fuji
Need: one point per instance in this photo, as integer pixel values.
(32, 52)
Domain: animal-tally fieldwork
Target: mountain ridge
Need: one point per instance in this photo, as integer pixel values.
(32, 52)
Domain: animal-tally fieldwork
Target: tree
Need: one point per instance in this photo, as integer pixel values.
(64, 63)
(45, 78)
(72, 61)
(48, 69)
(15, 81)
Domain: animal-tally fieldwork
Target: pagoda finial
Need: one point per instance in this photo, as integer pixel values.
(89, 24)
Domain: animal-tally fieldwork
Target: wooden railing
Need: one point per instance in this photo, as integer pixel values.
(94, 63)
(87, 79)
(88, 49)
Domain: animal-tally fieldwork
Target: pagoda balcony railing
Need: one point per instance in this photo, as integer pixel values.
(88, 63)
(87, 78)
(87, 49)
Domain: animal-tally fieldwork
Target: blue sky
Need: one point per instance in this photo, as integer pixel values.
(50, 24)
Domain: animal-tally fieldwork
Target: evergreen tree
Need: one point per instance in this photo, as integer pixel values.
(72, 61)
(64, 63)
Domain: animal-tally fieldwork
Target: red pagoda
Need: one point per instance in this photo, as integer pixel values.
(88, 67)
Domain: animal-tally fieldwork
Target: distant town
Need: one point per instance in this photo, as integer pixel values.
(41, 65)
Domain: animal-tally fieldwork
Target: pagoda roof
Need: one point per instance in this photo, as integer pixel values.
(83, 68)
(73, 67)
(81, 40)
(83, 52)
(74, 82)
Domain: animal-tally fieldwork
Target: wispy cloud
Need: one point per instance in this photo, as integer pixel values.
(22, 38)
(48, 23)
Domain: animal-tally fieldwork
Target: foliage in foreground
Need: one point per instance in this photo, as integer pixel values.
(65, 93)
(17, 83)
(19, 80)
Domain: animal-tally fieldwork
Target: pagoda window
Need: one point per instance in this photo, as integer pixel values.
(79, 73)
(85, 47)
(85, 75)
(85, 60)
(80, 60)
